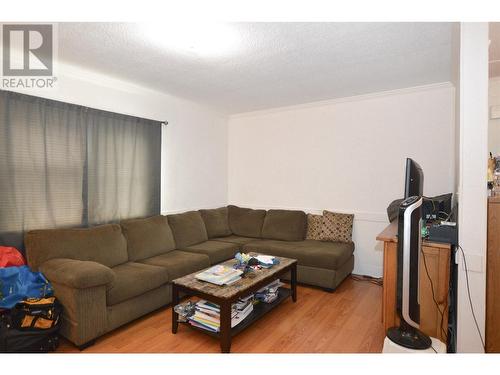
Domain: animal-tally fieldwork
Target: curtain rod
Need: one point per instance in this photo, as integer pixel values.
(164, 122)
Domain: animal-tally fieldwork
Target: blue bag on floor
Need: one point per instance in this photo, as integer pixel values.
(19, 283)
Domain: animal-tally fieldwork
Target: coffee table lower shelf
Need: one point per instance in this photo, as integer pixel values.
(259, 310)
(226, 296)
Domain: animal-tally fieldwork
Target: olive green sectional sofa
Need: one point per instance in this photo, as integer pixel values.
(108, 275)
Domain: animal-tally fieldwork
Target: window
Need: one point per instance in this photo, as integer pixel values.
(63, 165)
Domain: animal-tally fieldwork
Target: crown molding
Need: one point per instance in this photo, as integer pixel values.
(78, 73)
(354, 98)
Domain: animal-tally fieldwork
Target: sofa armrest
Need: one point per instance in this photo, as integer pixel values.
(77, 274)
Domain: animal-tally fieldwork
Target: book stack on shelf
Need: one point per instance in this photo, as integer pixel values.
(207, 314)
(220, 275)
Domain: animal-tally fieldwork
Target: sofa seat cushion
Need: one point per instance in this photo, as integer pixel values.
(133, 279)
(284, 225)
(188, 228)
(246, 222)
(147, 237)
(311, 253)
(179, 263)
(217, 251)
(240, 240)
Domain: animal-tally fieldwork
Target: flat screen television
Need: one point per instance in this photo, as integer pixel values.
(414, 179)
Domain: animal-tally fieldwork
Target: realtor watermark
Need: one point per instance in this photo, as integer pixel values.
(28, 56)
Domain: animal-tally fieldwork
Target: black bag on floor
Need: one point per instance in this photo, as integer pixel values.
(32, 326)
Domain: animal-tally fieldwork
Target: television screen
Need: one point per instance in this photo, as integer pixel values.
(414, 180)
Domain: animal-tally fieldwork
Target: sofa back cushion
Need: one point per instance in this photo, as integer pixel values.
(285, 225)
(188, 229)
(217, 222)
(246, 222)
(147, 237)
(103, 244)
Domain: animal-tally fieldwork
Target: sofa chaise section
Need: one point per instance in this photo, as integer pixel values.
(323, 264)
(281, 233)
(311, 253)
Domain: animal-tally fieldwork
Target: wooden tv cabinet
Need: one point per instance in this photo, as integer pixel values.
(437, 257)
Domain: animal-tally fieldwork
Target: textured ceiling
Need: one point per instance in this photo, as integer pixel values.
(270, 64)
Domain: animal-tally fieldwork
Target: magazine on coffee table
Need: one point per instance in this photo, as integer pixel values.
(220, 275)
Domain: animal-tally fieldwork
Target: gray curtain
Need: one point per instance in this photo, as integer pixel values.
(63, 165)
(124, 167)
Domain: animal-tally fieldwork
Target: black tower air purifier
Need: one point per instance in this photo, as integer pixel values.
(408, 334)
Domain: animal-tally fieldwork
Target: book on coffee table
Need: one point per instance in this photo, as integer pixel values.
(220, 275)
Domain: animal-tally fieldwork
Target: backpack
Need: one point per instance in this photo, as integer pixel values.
(19, 283)
(37, 313)
(32, 326)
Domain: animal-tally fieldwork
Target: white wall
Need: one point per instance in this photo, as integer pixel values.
(472, 213)
(344, 155)
(195, 139)
(494, 125)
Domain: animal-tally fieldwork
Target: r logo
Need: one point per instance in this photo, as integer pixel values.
(27, 50)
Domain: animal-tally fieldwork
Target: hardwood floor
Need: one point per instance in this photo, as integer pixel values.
(346, 321)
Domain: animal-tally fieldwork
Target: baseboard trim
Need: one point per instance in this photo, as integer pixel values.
(362, 268)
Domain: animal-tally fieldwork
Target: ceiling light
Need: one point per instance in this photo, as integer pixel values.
(203, 39)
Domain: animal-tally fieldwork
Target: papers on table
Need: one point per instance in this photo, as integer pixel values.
(266, 259)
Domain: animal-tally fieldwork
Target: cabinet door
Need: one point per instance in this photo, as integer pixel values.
(433, 317)
(493, 280)
(434, 276)
(390, 318)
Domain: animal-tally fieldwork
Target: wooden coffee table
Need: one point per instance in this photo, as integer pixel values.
(225, 296)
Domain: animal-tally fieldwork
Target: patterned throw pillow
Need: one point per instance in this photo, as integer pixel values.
(314, 227)
(337, 227)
